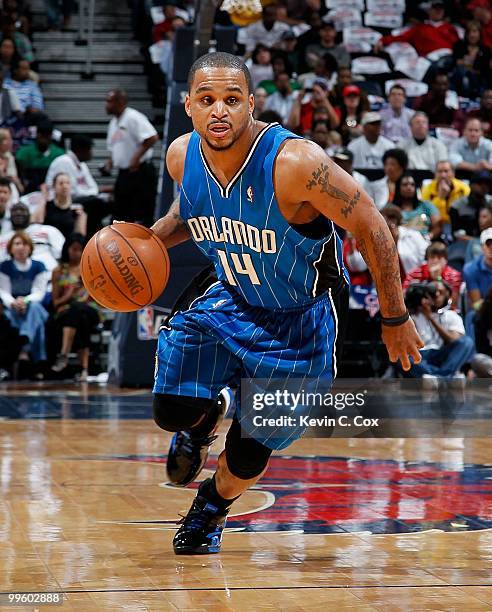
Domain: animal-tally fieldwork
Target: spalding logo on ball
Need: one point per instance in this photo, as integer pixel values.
(125, 267)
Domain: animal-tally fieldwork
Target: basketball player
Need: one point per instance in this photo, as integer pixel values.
(260, 202)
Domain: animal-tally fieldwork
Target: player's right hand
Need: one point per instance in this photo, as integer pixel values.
(403, 342)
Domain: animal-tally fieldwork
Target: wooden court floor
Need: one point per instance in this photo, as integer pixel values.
(354, 524)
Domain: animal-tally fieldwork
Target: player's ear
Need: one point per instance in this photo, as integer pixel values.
(187, 105)
(251, 103)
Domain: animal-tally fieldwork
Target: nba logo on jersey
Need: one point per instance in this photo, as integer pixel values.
(249, 194)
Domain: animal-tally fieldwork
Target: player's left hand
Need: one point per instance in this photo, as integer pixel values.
(403, 342)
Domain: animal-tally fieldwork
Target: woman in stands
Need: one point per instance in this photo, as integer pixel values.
(23, 283)
(76, 314)
(383, 191)
(472, 62)
(354, 105)
(417, 214)
(61, 213)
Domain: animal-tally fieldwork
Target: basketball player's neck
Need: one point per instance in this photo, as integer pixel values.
(228, 161)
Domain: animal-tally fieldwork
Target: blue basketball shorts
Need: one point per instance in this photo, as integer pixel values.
(221, 339)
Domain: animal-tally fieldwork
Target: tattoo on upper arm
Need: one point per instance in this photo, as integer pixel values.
(321, 177)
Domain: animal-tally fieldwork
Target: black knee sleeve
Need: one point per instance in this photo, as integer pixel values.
(180, 412)
(246, 457)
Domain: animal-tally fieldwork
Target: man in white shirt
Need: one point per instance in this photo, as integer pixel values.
(266, 31)
(130, 139)
(424, 151)
(85, 190)
(368, 149)
(47, 240)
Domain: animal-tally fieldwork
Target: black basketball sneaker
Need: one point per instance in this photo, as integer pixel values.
(201, 529)
(188, 453)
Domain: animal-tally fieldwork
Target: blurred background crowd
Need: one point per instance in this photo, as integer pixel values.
(397, 93)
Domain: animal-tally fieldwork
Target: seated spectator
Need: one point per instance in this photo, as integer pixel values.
(478, 273)
(60, 212)
(260, 65)
(395, 163)
(444, 190)
(473, 246)
(417, 214)
(34, 159)
(6, 155)
(434, 104)
(283, 99)
(23, 284)
(353, 108)
(436, 268)
(482, 12)
(260, 101)
(8, 55)
(369, 149)
(465, 211)
(411, 244)
(302, 115)
(446, 346)
(267, 30)
(5, 197)
(22, 42)
(327, 44)
(482, 361)
(472, 61)
(76, 313)
(84, 187)
(396, 116)
(54, 12)
(434, 34)
(354, 262)
(11, 345)
(484, 113)
(27, 91)
(47, 240)
(344, 158)
(472, 152)
(344, 79)
(423, 151)
(325, 68)
(10, 107)
(288, 45)
(280, 64)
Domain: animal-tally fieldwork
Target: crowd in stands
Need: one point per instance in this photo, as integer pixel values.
(400, 95)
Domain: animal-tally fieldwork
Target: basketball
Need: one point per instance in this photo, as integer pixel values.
(125, 267)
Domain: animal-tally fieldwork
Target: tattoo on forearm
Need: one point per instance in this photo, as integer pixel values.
(383, 269)
(321, 177)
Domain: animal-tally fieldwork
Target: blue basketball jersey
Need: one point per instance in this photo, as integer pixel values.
(269, 262)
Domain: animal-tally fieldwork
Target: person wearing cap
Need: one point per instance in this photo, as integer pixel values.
(266, 31)
(477, 275)
(344, 158)
(302, 115)
(369, 148)
(424, 151)
(327, 44)
(395, 118)
(482, 12)
(472, 152)
(434, 34)
(351, 111)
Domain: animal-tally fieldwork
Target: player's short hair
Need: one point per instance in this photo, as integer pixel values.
(26, 239)
(220, 60)
(81, 142)
(5, 182)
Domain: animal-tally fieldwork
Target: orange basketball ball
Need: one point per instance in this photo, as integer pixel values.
(125, 267)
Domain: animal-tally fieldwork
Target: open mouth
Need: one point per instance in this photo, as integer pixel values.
(219, 130)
